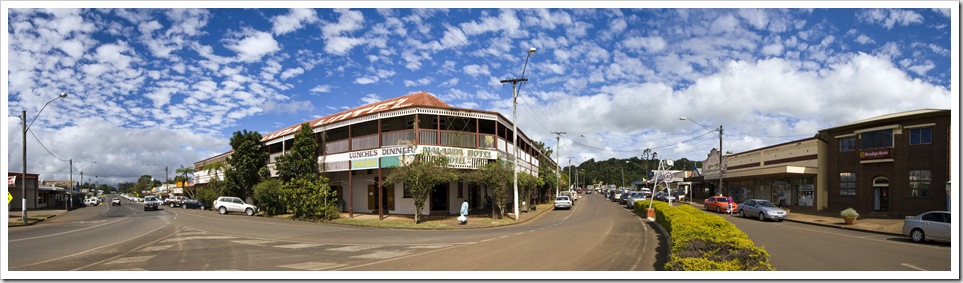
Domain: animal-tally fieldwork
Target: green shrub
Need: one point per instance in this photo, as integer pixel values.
(267, 197)
(701, 241)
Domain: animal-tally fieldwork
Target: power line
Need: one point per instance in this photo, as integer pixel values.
(44, 147)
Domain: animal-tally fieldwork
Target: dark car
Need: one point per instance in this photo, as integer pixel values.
(192, 203)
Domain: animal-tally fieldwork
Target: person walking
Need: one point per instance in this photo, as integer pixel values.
(463, 219)
(729, 207)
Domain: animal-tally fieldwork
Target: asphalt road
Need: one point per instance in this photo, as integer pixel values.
(803, 247)
(596, 235)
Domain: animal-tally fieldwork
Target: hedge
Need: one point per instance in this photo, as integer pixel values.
(701, 241)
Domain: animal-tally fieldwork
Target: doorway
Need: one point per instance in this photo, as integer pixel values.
(439, 198)
(387, 198)
(881, 194)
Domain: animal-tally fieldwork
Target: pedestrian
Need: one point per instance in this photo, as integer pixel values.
(463, 219)
(729, 208)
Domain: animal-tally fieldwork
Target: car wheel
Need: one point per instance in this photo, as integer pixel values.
(742, 213)
(706, 207)
(222, 210)
(762, 217)
(718, 209)
(249, 212)
(917, 235)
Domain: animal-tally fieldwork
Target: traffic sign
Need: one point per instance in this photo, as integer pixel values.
(9, 197)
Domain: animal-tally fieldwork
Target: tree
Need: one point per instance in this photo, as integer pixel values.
(303, 189)
(496, 177)
(420, 175)
(245, 162)
(184, 171)
(267, 195)
(526, 184)
(303, 157)
(215, 167)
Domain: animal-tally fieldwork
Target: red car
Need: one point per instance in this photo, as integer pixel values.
(719, 204)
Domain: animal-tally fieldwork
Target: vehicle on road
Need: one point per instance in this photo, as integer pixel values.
(928, 226)
(225, 205)
(192, 203)
(616, 195)
(91, 202)
(762, 210)
(634, 197)
(115, 201)
(174, 201)
(152, 203)
(563, 202)
(663, 196)
(719, 204)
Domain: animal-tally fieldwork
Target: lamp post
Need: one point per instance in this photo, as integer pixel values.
(720, 147)
(23, 182)
(515, 83)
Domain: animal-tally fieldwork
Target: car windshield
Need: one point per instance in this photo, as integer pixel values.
(561, 198)
(764, 204)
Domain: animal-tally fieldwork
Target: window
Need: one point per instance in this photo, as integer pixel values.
(921, 136)
(406, 193)
(847, 144)
(919, 183)
(847, 184)
(876, 139)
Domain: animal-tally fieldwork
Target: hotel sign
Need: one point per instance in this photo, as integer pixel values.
(876, 153)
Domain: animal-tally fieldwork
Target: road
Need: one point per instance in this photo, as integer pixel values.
(804, 247)
(595, 235)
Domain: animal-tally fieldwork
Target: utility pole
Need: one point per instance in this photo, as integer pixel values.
(720, 159)
(570, 170)
(515, 84)
(558, 137)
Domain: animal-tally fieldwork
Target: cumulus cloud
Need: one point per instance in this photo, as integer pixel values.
(891, 17)
(253, 46)
(294, 20)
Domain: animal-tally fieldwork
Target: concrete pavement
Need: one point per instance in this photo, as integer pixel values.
(873, 224)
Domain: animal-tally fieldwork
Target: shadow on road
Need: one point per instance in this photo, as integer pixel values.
(662, 250)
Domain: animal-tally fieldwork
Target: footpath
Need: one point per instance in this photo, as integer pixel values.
(865, 223)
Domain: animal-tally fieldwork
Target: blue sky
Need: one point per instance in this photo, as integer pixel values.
(169, 86)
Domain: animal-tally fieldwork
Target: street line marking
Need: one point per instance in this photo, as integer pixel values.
(298, 246)
(179, 239)
(156, 248)
(383, 254)
(353, 248)
(316, 266)
(252, 242)
(913, 267)
(134, 259)
(66, 232)
(429, 246)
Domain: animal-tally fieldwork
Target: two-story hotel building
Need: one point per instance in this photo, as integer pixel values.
(358, 148)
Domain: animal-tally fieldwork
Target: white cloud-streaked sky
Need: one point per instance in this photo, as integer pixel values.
(169, 86)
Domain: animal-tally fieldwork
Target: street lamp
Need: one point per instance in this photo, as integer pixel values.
(720, 147)
(23, 183)
(515, 83)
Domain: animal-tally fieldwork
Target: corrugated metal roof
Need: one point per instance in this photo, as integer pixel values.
(418, 99)
(893, 116)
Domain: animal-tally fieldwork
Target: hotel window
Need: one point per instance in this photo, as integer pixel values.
(919, 183)
(876, 139)
(921, 136)
(847, 184)
(405, 192)
(847, 144)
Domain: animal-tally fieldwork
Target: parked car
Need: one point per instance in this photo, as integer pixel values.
(761, 209)
(151, 203)
(932, 225)
(91, 202)
(192, 203)
(624, 197)
(563, 202)
(225, 205)
(663, 196)
(718, 204)
(115, 201)
(633, 197)
(616, 195)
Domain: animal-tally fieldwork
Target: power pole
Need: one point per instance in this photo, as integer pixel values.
(570, 169)
(558, 137)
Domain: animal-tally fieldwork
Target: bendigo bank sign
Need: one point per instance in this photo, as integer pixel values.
(876, 153)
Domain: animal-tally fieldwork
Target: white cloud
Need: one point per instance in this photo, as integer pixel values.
(290, 73)
(864, 39)
(476, 70)
(419, 82)
(321, 88)
(371, 98)
(651, 44)
(293, 21)
(253, 46)
(891, 17)
(341, 45)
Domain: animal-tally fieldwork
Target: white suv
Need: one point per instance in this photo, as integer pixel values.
(225, 205)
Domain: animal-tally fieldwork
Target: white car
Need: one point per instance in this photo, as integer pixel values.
(225, 205)
(563, 202)
(91, 202)
(932, 225)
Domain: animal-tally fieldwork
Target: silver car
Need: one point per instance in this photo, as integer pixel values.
(633, 197)
(761, 209)
(933, 225)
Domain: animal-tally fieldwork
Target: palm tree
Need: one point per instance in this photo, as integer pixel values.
(216, 167)
(184, 171)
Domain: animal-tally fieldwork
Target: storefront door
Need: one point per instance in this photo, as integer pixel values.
(439, 198)
(881, 195)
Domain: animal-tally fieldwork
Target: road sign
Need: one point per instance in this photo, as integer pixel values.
(9, 197)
